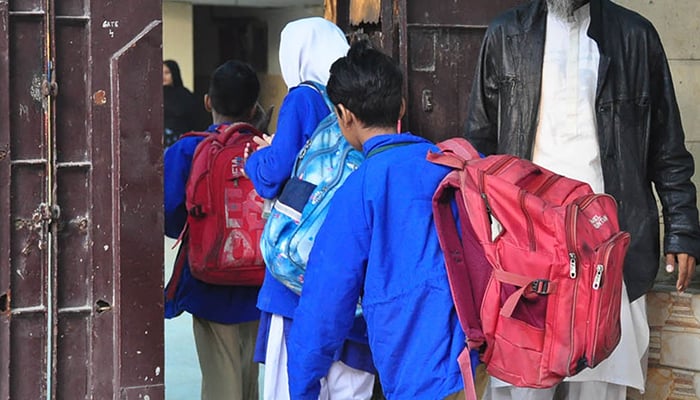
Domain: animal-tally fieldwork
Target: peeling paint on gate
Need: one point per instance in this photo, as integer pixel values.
(35, 88)
(99, 98)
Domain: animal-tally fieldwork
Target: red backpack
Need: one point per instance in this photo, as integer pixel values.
(535, 270)
(224, 213)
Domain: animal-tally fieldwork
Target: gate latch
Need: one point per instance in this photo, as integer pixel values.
(427, 100)
(41, 219)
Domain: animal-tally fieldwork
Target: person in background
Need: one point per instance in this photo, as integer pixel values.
(379, 242)
(308, 47)
(583, 88)
(179, 105)
(225, 319)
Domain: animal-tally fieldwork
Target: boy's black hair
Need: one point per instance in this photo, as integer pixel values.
(368, 83)
(233, 89)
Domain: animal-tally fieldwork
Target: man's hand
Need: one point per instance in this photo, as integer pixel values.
(686, 268)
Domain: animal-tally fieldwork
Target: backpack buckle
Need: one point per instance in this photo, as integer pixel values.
(196, 211)
(540, 286)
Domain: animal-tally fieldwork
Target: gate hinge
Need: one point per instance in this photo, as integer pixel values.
(49, 87)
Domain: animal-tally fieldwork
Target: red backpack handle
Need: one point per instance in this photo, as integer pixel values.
(454, 153)
(234, 128)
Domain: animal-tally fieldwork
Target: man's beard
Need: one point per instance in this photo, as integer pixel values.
(564, 8)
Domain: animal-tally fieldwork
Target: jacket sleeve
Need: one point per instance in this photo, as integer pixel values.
(332, 286)
(482, 118)
(670, 164)
(270, 167)
(177, 162)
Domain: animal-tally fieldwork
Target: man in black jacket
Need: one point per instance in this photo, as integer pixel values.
(583, 88)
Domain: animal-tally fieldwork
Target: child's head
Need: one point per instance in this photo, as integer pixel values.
(366, 84)
(308, 47)
(233, 92)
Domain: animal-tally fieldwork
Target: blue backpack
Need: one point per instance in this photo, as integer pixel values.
(322, 165)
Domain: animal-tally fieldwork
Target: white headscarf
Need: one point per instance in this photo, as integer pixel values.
(308, 48)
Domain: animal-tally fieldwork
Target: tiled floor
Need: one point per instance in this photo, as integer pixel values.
(182, 376)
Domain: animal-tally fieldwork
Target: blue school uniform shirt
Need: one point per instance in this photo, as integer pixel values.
(221, 304)
(379, 241)
(270, 167)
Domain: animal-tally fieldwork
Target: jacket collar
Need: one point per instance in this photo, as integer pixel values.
(536, 16)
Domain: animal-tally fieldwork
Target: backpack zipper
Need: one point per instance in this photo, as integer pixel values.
(547, 184)
(597, 281)
(303, 162)
(322, 126)
(492, 170)
(572, 211)
(528, 218)
(317, 198)
(570, 225)
(598, 276)
(571, 214)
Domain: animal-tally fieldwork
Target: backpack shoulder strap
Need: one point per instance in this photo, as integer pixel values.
(321, 89)
(195, 134)
(386, 147)
(468, 270)
(179, 264)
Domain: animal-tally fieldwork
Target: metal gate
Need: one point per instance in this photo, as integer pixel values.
(437, 44)
(80, 200)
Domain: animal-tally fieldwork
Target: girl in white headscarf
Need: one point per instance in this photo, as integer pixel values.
(308, 47)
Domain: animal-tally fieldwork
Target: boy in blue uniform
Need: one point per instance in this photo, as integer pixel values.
(379, 242)
(225, 318)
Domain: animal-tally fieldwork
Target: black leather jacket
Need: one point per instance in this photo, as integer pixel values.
(639, 126)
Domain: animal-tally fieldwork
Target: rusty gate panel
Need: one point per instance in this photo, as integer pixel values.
(437, 45)
(5, 294)
(126, 92)
(476, 13)
(81, 200)
(29, 275)
(441, 65)
(443, 43)
(141, 201)
(73, 187)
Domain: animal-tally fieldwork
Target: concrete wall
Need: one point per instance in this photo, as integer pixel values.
(178, 42)
(273, 87)
(177, 38)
